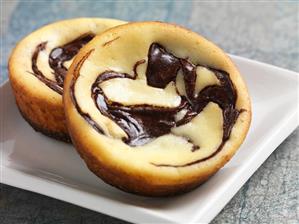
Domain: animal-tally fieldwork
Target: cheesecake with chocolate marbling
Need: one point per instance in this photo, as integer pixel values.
(38, 65)
(155, 109)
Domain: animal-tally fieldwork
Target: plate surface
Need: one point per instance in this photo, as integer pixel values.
(37, 163)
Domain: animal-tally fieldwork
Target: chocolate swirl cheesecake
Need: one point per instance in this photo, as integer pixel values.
(38, 65)
(155, 109)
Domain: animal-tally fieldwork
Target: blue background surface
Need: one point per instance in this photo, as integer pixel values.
(264, 31)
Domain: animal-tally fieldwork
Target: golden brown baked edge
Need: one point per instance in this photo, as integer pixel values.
(41, 113)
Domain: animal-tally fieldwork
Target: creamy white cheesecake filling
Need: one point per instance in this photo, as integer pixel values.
(204, 77)
(43, 64)
(137, 92)
(119, 53)
(204, 130)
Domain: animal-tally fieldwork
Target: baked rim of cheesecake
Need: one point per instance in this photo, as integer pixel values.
(37, 67)
(155, 109)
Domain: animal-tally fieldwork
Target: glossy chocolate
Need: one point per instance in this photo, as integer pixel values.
(50, 83)
(65, 53)
(143, 123)
(56, 59)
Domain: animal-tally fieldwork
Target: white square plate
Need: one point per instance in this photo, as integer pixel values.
(34, 162)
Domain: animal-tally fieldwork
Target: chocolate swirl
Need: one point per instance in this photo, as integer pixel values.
(143, 123)
(56, 59)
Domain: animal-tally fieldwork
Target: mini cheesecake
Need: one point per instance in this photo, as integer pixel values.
(38, 65)
(155, 109)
